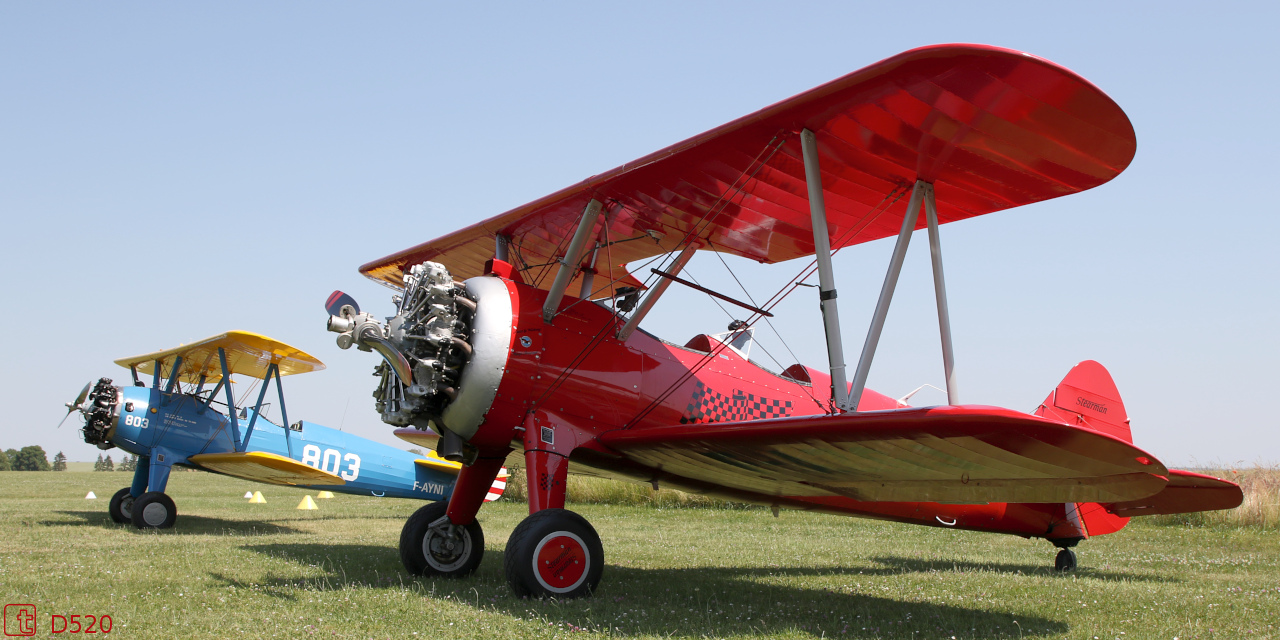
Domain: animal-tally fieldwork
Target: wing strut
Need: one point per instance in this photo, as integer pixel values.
(656, 292)
(922, 196)
(231, 401)
(257, 408)
(940, 292)
(571, 260)
(826, 279)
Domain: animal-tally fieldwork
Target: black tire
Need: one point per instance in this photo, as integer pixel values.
(119, 507)
(554, 553)
(1066, 561)
(153, 510)
(429, 552)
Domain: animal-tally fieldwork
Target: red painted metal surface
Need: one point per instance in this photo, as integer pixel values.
(703, 418)
(1186, 492)
(991, 128)
(1087, 397)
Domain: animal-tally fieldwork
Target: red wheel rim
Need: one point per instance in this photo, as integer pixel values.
(561, 562)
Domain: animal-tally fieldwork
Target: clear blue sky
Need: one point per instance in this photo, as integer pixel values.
(172, 170)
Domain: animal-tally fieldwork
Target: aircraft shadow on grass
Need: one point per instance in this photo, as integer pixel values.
(898, 565)
(666, 602)
(191, 525)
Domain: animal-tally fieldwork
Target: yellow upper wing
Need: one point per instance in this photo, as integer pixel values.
(248, 354)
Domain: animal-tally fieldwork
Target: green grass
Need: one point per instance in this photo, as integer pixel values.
(232, 568)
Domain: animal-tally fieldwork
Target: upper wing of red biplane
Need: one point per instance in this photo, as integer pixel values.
(991, 128)
(961, 454)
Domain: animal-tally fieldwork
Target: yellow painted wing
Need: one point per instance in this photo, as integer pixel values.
(248, 354)
(436, 462)
(260, 466)
(427, 440)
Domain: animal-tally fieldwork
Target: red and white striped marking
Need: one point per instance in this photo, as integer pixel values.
(499, 486)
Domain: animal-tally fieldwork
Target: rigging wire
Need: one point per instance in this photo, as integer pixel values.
(735, 189)
(806, 389)
(777, 298)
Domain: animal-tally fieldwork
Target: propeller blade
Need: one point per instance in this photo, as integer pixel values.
(75, 404)
(337, 300)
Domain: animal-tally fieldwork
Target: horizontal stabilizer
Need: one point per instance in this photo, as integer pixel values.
(1186, 492)
(957, 454)
(260, 466)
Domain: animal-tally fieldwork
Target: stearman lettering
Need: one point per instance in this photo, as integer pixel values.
(1089, 404)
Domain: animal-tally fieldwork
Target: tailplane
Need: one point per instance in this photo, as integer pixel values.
(1088, 398)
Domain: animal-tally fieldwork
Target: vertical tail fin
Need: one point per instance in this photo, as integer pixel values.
(1088, 398)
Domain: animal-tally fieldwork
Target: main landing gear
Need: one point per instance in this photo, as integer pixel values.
(120, 505)
(552, 553)
(151, 510)
(145, 509)
(430, 545)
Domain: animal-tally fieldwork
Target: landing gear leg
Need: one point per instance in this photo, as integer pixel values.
(554, 552)
(153, 509)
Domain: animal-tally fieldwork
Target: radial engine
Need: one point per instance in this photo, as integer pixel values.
(427, 379)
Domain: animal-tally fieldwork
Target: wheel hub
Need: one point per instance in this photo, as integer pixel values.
(154, 514)
(561, 562)
(446, 547)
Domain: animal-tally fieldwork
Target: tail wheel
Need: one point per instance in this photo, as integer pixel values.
(554, 553)
(1066, 561)
(431, 546)
(153, 510)
(119, 508)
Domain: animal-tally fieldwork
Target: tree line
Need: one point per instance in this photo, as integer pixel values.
(34, 458)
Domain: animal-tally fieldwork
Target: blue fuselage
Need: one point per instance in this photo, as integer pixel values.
(176, 425)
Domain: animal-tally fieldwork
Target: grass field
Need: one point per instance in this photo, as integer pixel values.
(233, 568)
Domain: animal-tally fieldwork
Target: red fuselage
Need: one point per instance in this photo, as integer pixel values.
(572, 376)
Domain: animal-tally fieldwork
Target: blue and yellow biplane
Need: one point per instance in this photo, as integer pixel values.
(188, 417)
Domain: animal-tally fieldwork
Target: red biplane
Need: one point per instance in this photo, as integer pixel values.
(501, 359)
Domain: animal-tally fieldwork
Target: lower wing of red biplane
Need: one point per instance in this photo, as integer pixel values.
(960, 454)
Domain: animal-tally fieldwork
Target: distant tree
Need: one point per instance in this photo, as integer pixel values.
(129, 463)
(97, 466)
(4, 461)
(32, 458)
(417, 451)
(60, 462)
(108, 465)
(10, 454)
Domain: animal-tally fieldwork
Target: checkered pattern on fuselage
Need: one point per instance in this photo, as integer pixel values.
(709, 405)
